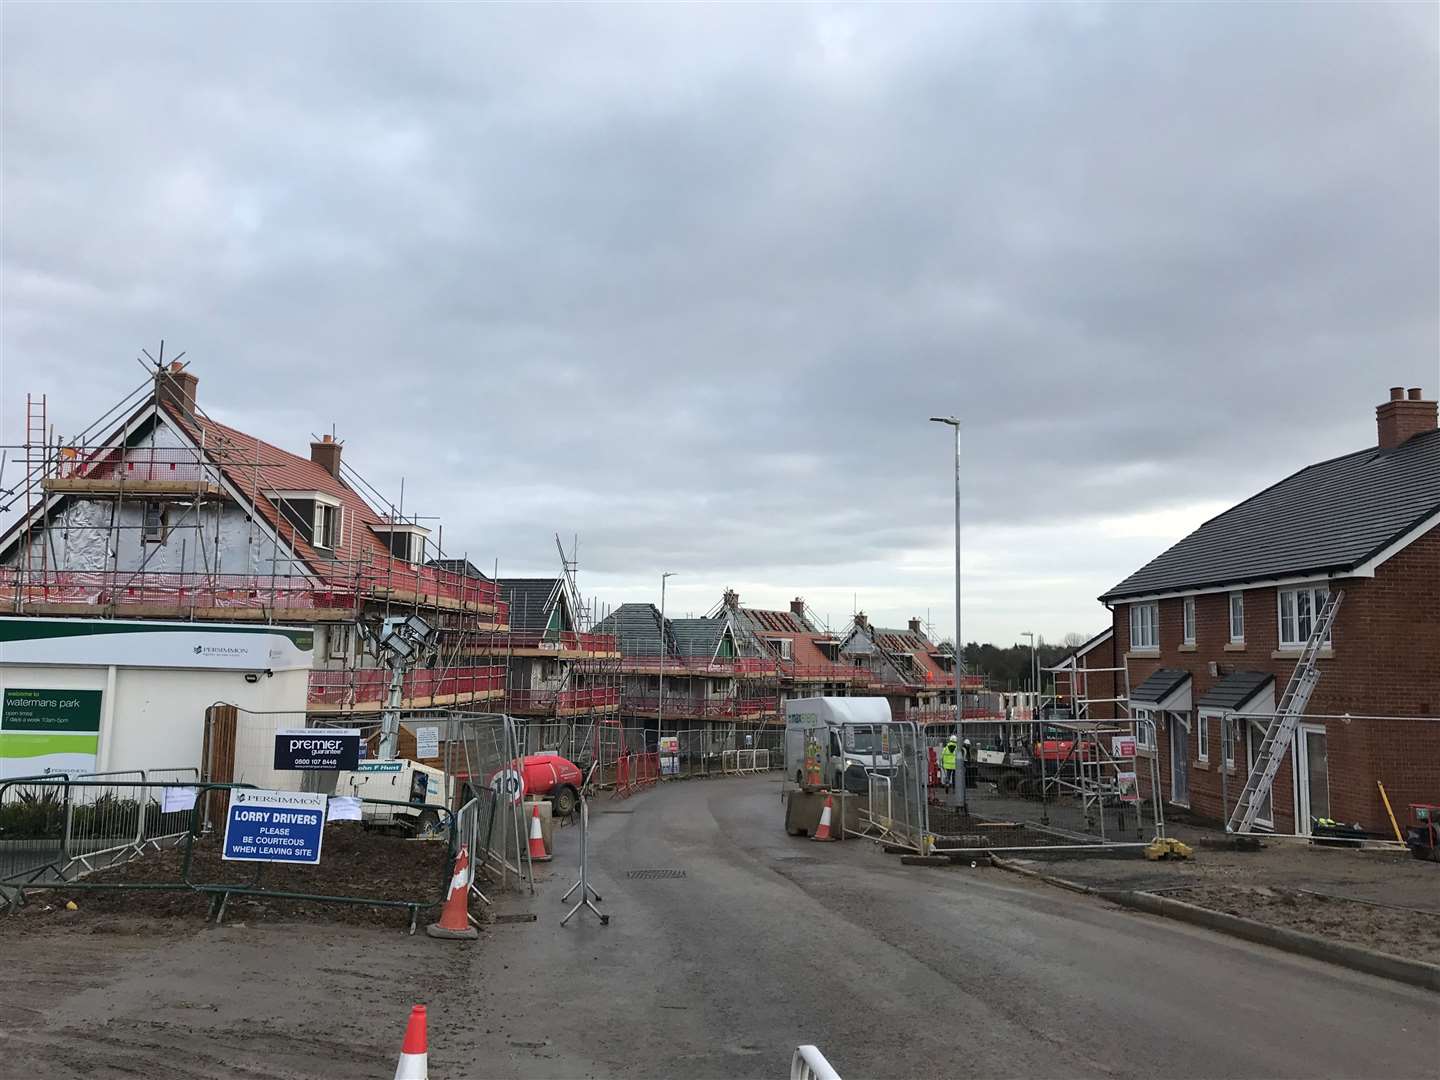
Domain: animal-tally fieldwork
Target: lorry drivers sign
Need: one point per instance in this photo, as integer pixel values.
(274, 826)
(317, 748)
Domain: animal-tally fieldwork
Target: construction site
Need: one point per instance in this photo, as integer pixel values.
(204, 631)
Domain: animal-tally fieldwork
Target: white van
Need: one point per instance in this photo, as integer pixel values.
(849, 737)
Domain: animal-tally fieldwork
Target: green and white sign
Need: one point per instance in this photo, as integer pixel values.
(48, 731)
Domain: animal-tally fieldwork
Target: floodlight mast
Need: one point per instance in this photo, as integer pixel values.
(403, 641)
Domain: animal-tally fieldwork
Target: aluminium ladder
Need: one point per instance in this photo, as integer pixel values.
(1271, 753)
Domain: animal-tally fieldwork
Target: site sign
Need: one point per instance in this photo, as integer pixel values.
(46, 731)
(670, 755)
(1122, 746)
(427, 742)
(1129, 787)
(308, 749)
(274, 826)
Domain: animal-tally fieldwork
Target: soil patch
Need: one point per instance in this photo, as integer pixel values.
(1393, 930)
(355, 862)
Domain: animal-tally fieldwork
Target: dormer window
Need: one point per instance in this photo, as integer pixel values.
(315, 517)
(405, 540)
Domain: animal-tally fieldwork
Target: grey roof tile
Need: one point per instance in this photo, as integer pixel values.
(1235, 690)
(1160, 685)
(1329, 517)
(530, 601)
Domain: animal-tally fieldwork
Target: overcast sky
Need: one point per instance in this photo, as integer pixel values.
(688, 281)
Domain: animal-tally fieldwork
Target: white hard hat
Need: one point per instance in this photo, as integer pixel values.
(967, 742)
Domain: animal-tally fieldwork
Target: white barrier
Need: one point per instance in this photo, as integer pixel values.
(809, 1064)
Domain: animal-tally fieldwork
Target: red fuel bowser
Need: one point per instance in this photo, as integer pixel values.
(545, 775)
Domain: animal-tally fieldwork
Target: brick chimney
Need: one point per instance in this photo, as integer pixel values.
(862, 620)
(915, 626)
(326, 454)
(732, 599)
(797, 608)
(177, 389)
(1404, 416)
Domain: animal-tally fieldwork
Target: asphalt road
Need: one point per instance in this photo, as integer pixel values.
(770, 941)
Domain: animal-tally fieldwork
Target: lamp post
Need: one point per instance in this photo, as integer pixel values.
(954, 422)
(1039, 726)
(660, 711)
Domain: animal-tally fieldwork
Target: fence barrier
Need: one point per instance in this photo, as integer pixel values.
(227, 879)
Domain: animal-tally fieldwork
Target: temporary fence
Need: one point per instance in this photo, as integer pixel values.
(881, 765)
(199, 869)
(1342, 778)
(481, 753)
(1021, 784)
(113, 817)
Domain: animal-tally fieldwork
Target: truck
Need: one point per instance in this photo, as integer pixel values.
(849, 735)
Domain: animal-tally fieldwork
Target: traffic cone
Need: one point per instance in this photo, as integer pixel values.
(414, 1052)
(455, 915)
(537, 838)
(823, 832)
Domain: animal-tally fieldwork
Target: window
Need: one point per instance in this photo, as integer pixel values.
(784, 647)
(1144, 730)
(1299, 609)
(327, 526)
(152, 529)
(1144, 626)
(1227, 740)
(1237, 617)
(1189, 620)
(1202, 737)
(338, 639)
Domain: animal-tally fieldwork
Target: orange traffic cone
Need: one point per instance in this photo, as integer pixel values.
(823, 832)
(415, 1051)
(537, 838)
(455, 915)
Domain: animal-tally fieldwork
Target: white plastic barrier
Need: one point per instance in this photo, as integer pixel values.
(809, 1064)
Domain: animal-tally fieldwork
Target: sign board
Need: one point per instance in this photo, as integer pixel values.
(1122, 746)
(307, 749)
(1129, 787)
(274, 826)
(48, 731)
(343, 808)
(427, 742)
(670, 755)
(154, 644)
(175, 799)
(379, 767)
(508, 784)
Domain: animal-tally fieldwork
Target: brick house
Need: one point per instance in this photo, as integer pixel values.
(1210, 631)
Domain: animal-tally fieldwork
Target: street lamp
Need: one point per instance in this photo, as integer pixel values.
(954, 422)
(660, 710)
(1038, 727)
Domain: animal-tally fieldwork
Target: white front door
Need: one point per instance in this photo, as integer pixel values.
(1180, 759)
(1254, 736)
(1312, 776)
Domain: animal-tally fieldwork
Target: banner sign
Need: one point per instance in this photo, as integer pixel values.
(48, 731)
(670, 744)
(131, 643)
(274, 826)
(1129, 787)
(306, 749)
(670, 755)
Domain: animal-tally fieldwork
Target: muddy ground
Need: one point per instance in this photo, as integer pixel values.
(356, 863)
(1275, 885)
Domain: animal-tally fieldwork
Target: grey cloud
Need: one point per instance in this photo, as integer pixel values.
(689, 280)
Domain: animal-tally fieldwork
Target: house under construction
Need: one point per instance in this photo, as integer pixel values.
(157, 511)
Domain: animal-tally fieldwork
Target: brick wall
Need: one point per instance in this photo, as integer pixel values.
(1385, 662)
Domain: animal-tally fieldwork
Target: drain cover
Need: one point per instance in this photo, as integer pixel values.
(654, 873)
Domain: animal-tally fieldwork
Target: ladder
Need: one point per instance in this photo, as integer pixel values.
(36, 453)
(1271, 753)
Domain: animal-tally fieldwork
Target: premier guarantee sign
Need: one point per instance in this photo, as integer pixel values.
(320, 749)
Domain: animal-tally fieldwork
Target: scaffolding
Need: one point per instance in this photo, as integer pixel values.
(136, 517)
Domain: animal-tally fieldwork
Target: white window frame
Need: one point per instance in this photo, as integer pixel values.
(1228, 736)
(1237, 607)
(784, 647)
(1187, 621)
(152, 534)
(1202, 734)
(317, 530)
(1143, 731)
(1315, 597)
(337, 641)
(1145, 626)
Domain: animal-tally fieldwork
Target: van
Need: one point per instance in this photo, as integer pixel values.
(851, 737)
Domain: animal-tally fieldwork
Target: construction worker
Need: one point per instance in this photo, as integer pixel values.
(971, 754)
(947, 763)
